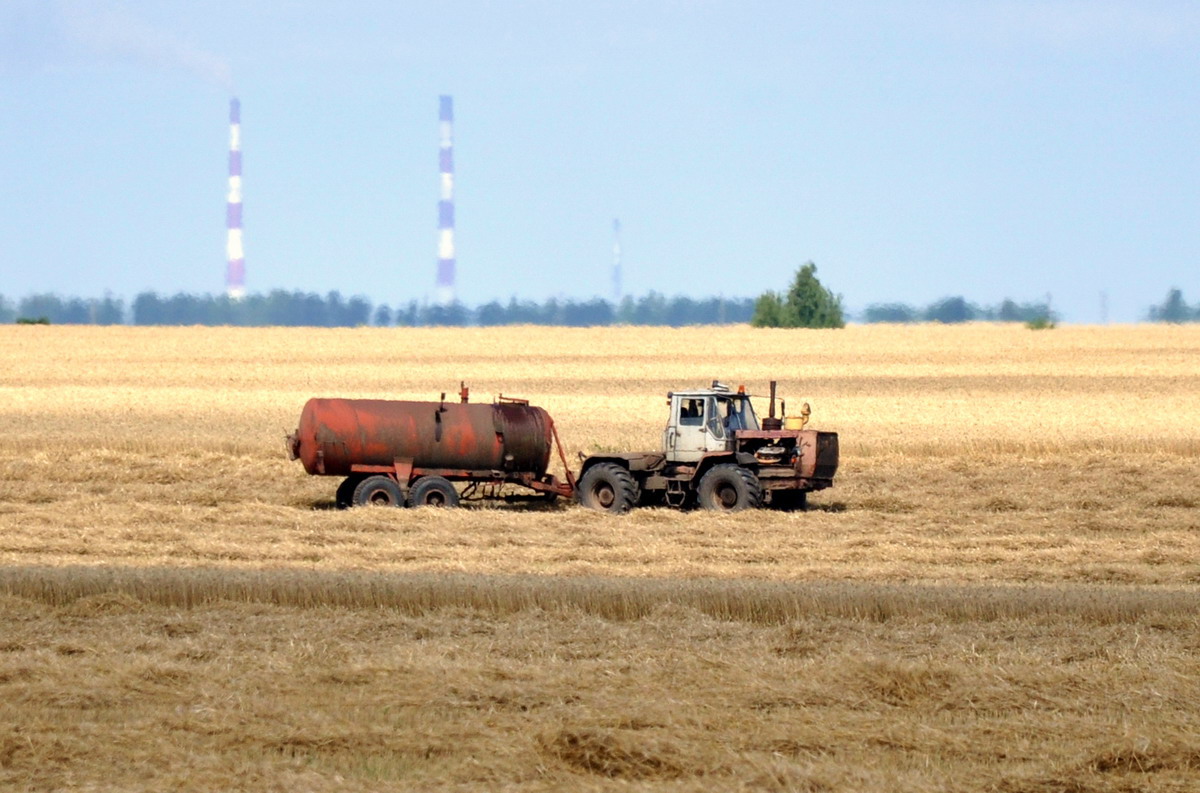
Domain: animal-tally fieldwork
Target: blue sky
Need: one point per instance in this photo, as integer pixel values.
(912, 150)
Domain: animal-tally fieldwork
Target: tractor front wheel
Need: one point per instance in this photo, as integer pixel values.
(729, 488)
(609, 488)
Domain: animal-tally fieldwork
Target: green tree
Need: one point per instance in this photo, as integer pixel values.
(807, 304)
(768, 311)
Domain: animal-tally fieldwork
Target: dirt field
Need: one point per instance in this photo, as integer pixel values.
(1001, 592)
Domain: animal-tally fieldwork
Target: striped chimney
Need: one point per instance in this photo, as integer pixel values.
(445, 267)
(235, 272)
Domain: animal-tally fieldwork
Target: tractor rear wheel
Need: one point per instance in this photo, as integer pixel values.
(432, 491)
(378, 491)
(729, 488)
(609, 488)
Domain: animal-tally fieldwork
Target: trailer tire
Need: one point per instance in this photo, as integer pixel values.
(378, 491)
(789, 500)
(609, 488)
(432, 491)
(729, 488)
(344, 498)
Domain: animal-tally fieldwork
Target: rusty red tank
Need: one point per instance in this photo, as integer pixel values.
(337, 437)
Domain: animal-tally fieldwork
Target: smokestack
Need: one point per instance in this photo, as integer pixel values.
(616, 270)
(235, 271)
(445, 267)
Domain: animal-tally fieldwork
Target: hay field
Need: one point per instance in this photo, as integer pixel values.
(999, 594)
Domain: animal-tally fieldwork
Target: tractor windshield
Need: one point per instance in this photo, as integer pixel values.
(739, 414)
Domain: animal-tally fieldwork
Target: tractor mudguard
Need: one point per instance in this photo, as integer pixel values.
(631, 461)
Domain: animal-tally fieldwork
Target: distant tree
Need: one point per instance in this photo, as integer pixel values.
(682, 311)
(491, 314)
(76, 312)
(334, 309)
(737, 310)
(890, 312)
(53, 308)
(108, 311)
(768, 311)
(147, 309)
(1008, 311)
(226, 310)
(807, 304)
(383, 316)
(454, 314)
(593, 313)
(1174, 309)
(409, 316)
(357, 313)
(624, 311)
(551, 313)
(185, 309)
(650, 309)
(524, 312)
(811, 305)
(951, 310)
(1011, 311)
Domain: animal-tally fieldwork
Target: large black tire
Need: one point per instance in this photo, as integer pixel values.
(789, 500)
(432, 491)
(378, 491)
(344, 499)
(729, 488)
(609, 488)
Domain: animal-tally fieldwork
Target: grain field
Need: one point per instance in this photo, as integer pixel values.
(1000, 593)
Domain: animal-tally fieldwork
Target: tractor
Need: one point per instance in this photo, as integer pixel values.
(716, 455)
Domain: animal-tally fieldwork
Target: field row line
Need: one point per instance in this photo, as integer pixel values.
(615, 598)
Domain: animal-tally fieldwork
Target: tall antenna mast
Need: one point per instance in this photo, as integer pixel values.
(235, 270)
(616, 269)
(445, 267)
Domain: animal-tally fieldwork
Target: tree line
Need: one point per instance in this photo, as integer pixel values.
(959, 309)
(805, 304)
(809, 304)
(307, 309)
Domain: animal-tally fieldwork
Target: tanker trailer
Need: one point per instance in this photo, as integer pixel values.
(394, 453)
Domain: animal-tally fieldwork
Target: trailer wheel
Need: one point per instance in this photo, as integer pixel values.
(609, 488)
(789, 500)
(729, 488)
(432, 491)
(344, 499)
(378, 491)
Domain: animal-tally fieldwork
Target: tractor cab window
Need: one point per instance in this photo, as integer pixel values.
(739, 414)
(716, 417)
(691, 412)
